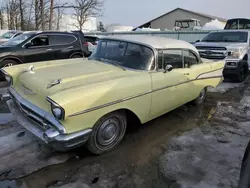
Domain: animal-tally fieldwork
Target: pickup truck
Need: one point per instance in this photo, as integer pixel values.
(231, 45)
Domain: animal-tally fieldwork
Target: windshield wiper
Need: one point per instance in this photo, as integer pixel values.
(113, 63)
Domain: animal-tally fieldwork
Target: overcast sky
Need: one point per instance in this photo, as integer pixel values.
(137, 12)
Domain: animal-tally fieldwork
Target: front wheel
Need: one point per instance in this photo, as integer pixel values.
(242, 73)
(201, 98)
(6, 63)
(107, 133)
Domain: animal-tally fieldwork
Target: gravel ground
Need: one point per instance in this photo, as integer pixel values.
(188, 147)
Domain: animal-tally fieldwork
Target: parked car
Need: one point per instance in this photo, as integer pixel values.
(231, 45)
(67, 103)
(9, 35)
(83, 42)
(187, 24)
(41, 46)
(237, 23)
(91, 42)
(244, 181)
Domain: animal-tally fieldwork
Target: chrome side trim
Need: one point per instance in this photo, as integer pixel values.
(209, 72)
(109, 104)
(38, 110)
(138, 95)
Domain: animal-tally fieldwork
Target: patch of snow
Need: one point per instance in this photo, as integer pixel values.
(147, 29)
(225, 86)
(214, 25)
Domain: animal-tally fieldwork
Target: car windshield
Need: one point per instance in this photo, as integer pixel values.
(17, 40)
(238, 24)
(123, 54)
(7, 35)
(226, 37)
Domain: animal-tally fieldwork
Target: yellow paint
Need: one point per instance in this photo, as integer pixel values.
(88, 84)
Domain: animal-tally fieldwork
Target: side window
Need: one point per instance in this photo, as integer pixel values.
(170, 57)
(41, 40)
(189, 59)
(61, 39)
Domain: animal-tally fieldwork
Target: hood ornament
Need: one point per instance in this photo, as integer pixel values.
(53, 83)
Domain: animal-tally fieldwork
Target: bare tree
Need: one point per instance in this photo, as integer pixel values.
(2, 21)
(83, 9)
(21, 9)
(30, 15)
(51, 14)
(42, 14)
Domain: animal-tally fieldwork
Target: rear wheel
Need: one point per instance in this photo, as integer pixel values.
(201, 98)
(107, 133)
(76, 56)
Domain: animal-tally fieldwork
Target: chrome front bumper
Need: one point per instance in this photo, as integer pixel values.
(55, 138)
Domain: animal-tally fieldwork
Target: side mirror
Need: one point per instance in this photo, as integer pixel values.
(168, 68)
(197, 41)
(27, 45)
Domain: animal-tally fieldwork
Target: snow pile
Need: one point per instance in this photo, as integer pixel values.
(214, 25)
(147, 29)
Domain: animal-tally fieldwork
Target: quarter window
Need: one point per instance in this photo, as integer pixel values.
(189, 59)
(170, 57)
(61, 39)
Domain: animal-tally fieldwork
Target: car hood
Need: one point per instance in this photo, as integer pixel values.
(57, 76)
(221, 44)
(4, 48)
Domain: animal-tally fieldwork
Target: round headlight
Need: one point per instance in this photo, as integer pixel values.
(8, 79)
(57, 112)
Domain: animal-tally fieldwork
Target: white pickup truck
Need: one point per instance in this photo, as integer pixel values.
(231, 45)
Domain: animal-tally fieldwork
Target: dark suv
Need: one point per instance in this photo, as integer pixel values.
(33, 46)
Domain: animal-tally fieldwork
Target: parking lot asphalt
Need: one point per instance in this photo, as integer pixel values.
(147, 154)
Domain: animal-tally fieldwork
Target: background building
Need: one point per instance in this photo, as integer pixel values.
(166, 21)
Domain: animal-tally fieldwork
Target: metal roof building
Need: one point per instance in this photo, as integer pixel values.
(166, 21)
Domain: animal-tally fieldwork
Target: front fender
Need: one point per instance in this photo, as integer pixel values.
(85, 105)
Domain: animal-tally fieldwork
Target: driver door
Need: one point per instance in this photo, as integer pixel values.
(170, 89)
(38, 49)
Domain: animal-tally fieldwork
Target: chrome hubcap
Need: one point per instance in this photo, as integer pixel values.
(202, 95)
(108, 132)
(8, 65)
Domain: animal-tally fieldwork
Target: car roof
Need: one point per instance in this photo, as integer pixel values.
(232, 30)
(49, 32)
(153, 41)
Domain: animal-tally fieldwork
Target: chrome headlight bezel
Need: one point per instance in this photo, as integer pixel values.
(8, 77)
(235, 52)
(57, 111)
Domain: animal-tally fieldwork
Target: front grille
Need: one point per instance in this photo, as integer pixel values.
(221, 57)
(212, 52)
(31, 115)
(210, 48)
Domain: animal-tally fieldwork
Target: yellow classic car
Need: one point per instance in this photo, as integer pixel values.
(68, 103)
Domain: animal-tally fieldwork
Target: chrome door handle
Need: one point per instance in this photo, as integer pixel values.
(70, 47)
(186, 73)
(48, 49)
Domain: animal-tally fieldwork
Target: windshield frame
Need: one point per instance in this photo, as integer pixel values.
(103, 60)
(233, 33)
(30, 35)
